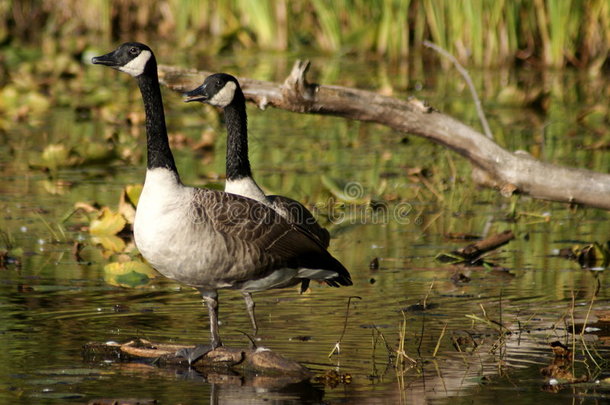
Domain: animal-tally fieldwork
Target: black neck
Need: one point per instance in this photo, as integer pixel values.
(159, 153)
(238, 165)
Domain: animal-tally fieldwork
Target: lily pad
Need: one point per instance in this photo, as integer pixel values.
(107, 223)
(128, 274)
(92, 152)
(111, 243)
(56, 155)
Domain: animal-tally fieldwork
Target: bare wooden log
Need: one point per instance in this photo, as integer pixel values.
(493, 166)
(473, 252)
(259, 361)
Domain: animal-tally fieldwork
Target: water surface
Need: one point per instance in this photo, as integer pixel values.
(54, 302)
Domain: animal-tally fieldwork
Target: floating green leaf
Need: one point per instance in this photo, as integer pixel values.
(129, 274)
(96, 152)
(56, 155)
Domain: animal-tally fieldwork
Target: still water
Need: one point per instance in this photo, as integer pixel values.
(410, 307)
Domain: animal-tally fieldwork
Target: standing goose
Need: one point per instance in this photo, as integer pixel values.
(222, 90)
(205, 238)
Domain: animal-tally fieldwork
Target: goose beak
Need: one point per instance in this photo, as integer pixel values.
(107, 60)
(198, 94)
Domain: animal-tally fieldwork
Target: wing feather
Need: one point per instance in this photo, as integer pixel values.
(296, 213)
(258, 227)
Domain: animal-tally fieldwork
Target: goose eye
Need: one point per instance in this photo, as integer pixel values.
(133, 50)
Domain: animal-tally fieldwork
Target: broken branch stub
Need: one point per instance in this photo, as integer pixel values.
(295, 87)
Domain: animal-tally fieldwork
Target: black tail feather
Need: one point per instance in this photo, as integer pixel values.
(327, 262)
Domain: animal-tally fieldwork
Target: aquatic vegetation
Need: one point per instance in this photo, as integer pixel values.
(594, 256)
(131, 273)
(111, 230)
(109, 227)
(9, 253)
(18, 105)
(485, 33)
(56, 155)
(104, 229)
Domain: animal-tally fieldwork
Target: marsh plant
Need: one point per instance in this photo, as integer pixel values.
(485, 33)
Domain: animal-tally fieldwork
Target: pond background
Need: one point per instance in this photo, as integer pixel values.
(72, 134)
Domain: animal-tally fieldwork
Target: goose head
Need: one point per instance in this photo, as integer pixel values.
(219, 89)
(133, 58)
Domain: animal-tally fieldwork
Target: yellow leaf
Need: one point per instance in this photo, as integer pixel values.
(88, 208)
(55, 155)
(133, 192)
(110, 242)
(129, 274)
(95, 152)
(36, 102)
(129, 201)
(126, 207)
(107, 223)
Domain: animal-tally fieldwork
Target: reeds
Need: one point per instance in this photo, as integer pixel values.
(478, 32)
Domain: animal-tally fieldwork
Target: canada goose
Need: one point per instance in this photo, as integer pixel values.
(205, 238)
(223, 90)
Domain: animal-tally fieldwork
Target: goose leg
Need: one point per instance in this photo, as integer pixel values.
(194, 353)
(250, 307)
(211, 300)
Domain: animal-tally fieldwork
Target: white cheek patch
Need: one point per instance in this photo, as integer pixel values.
(224, 97)
(136, 66)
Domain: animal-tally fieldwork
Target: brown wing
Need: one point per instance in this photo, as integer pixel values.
(263, 230)
(297, 214)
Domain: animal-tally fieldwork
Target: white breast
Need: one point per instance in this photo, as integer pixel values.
(159, 212)
(182, 245)
(163, 230)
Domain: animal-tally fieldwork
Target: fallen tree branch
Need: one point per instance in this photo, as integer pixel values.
(493, 166)
(472, 254)
(475, 250)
